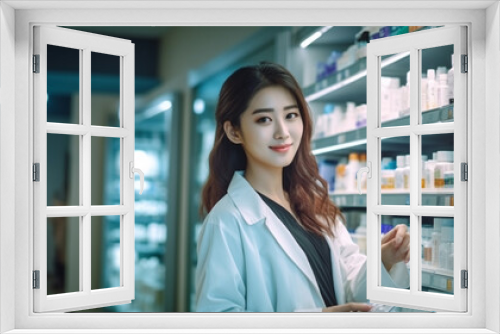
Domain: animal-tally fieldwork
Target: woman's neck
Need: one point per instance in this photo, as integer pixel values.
(267, 182)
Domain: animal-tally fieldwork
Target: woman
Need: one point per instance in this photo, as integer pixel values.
(272, 241)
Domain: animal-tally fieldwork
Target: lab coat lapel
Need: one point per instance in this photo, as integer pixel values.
(288, 243)
(253, 209)
(338, 280)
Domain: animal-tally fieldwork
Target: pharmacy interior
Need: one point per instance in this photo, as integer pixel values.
(330, 63)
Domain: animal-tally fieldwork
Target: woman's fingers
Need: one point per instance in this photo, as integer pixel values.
(349, 307)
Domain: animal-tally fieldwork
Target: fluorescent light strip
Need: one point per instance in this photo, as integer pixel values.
(338, 147)
(305, 43)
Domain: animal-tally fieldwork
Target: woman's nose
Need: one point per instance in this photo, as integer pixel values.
(281, 131)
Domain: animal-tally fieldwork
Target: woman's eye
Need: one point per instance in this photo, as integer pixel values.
(292, 115)
(263, 120)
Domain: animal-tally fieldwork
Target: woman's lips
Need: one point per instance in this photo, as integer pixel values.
(281, 148)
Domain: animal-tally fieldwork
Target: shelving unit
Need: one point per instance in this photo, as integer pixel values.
(349, 85)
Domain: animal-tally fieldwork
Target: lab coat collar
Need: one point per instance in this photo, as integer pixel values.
(253, 209)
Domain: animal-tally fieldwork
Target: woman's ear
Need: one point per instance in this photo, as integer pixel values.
(232, 133)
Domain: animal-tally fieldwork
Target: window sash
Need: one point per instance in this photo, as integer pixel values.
(414, 298)
(85, 298)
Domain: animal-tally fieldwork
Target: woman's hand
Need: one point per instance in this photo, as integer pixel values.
(349, 307)
(396, 246)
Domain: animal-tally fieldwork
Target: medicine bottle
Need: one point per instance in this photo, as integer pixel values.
(399, 181)
(444, 163)
(406, 172)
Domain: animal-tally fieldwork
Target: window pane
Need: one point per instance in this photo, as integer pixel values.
(387, 223)
(63, 170)
(105, 89)
(63, 254)
(395, 90)
(437, 254)
(105, 170)
(106, 258)
(436, 84)
(63, 84)
(438, 171)
(395, 171)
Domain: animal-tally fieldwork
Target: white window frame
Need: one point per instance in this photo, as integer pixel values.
(483, 292)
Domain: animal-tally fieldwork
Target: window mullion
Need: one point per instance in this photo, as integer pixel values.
(85, 167)
(415, 157)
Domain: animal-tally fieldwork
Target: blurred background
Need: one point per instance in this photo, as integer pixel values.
(178, 75)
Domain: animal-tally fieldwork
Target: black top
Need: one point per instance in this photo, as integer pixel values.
(314, 246)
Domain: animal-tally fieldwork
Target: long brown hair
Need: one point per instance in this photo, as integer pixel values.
(308, 195)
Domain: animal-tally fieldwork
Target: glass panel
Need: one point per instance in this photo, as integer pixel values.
(63, 84)
(395, 90)
(105, 170)
(436, 84)
(395, 171)
(63, 170)
(105, 256)
(105, 83)
(387, 225)
(63, 254)
(437, 254)
(438, 171)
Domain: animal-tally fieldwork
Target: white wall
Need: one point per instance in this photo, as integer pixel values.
(7, 159)
(492, 150)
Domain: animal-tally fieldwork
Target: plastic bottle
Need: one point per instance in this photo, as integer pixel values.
(424, 102)
(431, 89)
(387, 179)
(426, 245)
(361, 116)
(406, 172)
(351, 171)
(429, 173)
(399, 172)
(451, 83)
(350, 117)
(446, 245)
(424, 160)
(436, 242)
(444, 163)
(340, 175)
(449, 179)
(362, 163)
(360, 234)
(443, 90)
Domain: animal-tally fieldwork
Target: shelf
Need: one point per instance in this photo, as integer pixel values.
(355, 140)
(350, 83)
(437, 279)
(392, 197)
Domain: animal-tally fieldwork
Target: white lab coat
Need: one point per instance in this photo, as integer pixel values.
(249, 261)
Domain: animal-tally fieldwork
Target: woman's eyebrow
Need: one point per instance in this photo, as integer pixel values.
(261, 110)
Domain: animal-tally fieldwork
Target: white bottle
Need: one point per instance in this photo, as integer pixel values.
(406, 172)
(451, 83)
(360, 234)
(443, 90)
(399, 172)
(422, 176)
(429, 173)
(436, 242)
(350, 117)
(351, 171)
(424, 102)
(431, 89)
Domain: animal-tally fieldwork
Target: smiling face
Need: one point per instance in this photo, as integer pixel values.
(270, 129)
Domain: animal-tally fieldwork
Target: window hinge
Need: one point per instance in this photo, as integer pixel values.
(36, 279)
(465, 64)
(36, 172)
(464, 171)
(465, 279)
(36, 63)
